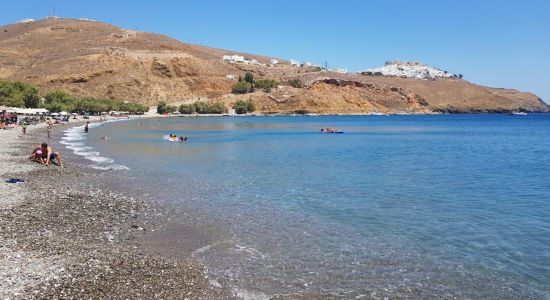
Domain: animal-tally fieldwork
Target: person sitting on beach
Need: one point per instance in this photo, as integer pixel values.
(36, 155)
(47, 155)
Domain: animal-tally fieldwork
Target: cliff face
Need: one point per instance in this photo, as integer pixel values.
(96, 59)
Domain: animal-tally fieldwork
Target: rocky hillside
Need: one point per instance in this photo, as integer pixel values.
(90, 58)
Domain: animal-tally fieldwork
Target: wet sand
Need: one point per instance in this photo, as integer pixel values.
(63, 235)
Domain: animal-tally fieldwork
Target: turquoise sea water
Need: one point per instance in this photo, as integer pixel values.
(397, 206)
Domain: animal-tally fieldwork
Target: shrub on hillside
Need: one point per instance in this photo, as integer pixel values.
(249, 77)
(241, 87)
(297, 83)
(265, 84)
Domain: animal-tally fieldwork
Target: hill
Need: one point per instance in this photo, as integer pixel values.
(89, 58)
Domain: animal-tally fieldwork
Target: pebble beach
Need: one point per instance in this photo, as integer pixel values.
(62, 235)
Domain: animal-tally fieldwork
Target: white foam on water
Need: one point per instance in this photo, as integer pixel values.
(99, 159)
(112, 167)
(74, 138)
(250, 295)
(248, 250)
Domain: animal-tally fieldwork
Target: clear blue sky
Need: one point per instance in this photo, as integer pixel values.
(495, 43)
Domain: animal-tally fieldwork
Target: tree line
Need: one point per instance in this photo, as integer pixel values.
(200, 107)
(18, 94)
(248, 84)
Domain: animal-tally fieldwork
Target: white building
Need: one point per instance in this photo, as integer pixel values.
(233, 58)
(240, 59)
(294, 62)
(312, 65)
(343, 71)
(25, 21)
(274, 61)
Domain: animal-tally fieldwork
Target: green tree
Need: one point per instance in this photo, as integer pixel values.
(187, 109)
(242, 107)
(18, 94)
(163, 108)
(202, 108)
(57, 101)
(9, 96)
(217, 108)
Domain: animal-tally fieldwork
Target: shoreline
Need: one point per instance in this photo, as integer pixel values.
(68, 234)
(63, 235)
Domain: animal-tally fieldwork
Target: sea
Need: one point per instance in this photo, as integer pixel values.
(401, 206)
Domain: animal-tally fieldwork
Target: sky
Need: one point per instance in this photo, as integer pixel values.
(495, 43)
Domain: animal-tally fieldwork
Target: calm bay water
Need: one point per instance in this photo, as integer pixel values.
(411, 206)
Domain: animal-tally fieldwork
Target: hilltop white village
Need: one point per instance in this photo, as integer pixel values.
(391, 68)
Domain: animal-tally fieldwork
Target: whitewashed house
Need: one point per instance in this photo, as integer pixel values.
(233, 58)
(25, 21)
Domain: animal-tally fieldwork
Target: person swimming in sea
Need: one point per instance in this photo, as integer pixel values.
(183, 139)
(328, 130)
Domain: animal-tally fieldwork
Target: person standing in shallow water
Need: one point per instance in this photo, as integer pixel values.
(86, 127)
(49, 131)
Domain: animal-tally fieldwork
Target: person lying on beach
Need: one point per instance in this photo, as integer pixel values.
(46, 155)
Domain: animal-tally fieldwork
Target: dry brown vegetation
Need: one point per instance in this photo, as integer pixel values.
(96, 59)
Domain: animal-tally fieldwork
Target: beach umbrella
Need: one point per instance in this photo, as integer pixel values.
(63, 113)
(54, 114)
